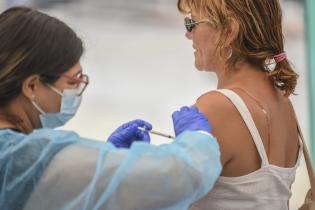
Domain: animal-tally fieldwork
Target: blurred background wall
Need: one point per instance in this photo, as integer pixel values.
(142, 66)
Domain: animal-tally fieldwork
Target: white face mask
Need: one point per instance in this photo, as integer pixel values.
(70, 103)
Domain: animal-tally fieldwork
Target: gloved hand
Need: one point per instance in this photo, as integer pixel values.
(127, 133)
(190, 119)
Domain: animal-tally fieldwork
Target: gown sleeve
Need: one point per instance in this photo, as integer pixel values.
(90, 175)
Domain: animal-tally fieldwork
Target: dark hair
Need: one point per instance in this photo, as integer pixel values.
(260, 34)
(31, 43)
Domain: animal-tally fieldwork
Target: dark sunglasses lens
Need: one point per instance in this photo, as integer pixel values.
(189, 24)
(189, 28)
(187, 20)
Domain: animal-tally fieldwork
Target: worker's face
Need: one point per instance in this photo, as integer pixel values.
(48, 99)
(205, 40)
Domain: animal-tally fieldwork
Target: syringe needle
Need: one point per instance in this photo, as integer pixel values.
(157, 133)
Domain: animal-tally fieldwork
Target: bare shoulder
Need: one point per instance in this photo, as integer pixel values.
(215, 106)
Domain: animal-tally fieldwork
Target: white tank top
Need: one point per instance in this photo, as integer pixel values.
(267, 188)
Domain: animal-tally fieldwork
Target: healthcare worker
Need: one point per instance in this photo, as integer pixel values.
(41, 85)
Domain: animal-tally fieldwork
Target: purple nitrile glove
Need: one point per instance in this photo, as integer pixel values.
(126, 134)
(190, 119)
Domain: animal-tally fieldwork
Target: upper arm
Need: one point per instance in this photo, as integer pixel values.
(170, 175)
(152, 183)
(143, 177)
(223, 118)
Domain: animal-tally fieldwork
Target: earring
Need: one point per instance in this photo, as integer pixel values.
(229, 53)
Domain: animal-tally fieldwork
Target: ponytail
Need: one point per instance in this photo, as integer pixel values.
(284, 77)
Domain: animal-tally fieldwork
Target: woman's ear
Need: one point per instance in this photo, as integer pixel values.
(233, 28)
(30, 85)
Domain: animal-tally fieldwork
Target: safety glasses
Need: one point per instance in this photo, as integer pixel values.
(190, 24)
(81, 81)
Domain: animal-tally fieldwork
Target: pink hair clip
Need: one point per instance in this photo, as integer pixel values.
(280, 57)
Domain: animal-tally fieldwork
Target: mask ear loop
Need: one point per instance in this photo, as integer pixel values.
(36, 105)
(55, 89)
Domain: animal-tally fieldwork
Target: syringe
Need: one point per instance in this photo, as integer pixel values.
(156, 133)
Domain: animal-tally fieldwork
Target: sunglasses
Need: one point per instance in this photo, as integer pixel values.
(190, 24)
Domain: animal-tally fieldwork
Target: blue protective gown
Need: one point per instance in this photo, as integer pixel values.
(59, 170)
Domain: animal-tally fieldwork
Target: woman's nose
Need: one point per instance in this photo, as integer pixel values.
(188, 35)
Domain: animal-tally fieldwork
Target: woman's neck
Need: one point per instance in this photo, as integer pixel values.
(14, 116)
(241, 75)
(4, 123)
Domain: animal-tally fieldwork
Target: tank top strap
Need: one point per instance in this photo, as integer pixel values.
(247, 117)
